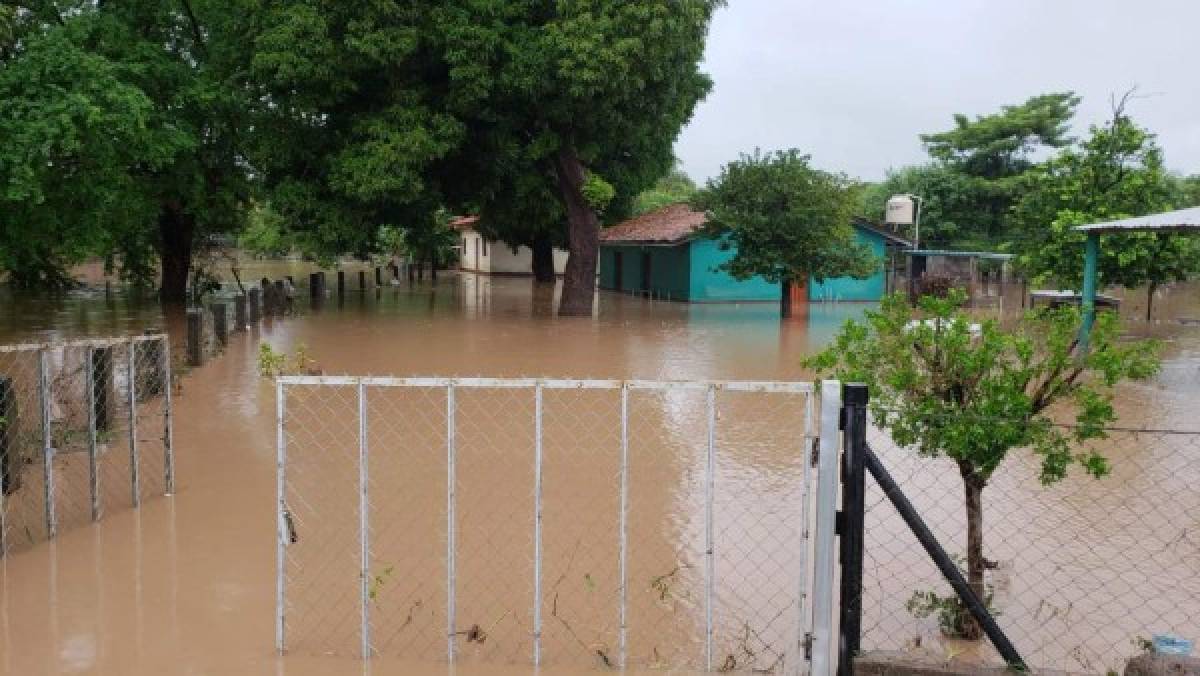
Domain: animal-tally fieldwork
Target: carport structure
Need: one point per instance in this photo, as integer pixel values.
(1178, 221)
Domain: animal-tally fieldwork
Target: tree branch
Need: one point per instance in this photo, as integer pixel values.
(197, 35)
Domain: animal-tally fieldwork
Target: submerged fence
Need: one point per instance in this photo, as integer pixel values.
(577, 522)
(85, 428)
(1082, 574)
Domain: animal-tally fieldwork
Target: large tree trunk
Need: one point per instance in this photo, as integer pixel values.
(785, 299)
(543, 259)
(973, 493)
(583, 236)
(1150, 298)
(176, 229)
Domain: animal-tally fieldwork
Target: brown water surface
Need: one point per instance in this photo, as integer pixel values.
(186, 584)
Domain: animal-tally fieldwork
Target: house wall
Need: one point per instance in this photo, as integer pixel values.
(848, 288)
(475, 257)
(709, 284)
(500, 258)
(669, 270)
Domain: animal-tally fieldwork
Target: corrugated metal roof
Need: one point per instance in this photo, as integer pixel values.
(984, 255)
(1182, 219)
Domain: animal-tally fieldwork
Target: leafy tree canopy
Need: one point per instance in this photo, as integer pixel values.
(673, 188)
(1117, 171)
(787, 220)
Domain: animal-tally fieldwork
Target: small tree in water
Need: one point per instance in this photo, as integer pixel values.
(787, 220)
(945, 386)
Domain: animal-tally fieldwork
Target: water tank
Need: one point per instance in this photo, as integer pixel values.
(900, 210)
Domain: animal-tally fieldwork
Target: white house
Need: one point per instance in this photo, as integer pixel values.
(480, 254)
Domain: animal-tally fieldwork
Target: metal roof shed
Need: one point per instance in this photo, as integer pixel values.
(1178, 221)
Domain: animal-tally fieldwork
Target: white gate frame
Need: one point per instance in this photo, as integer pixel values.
(820, 638)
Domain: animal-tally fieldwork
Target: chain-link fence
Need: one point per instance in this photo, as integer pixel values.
(1081, 574)
(582, 523)
(85, 427)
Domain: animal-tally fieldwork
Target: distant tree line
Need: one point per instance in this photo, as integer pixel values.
(1016, 181)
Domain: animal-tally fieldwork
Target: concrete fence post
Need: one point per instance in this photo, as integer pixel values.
(195, 337)
(220, 324)
(239, 312)
(254, 305)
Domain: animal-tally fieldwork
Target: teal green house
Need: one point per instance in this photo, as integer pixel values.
(662, 254)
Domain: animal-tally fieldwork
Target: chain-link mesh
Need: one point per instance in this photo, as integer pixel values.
(511, 522)
(1081, 573)
(84, 428)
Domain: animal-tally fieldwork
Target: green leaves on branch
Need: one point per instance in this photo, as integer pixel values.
(946, 385)
(786, 219)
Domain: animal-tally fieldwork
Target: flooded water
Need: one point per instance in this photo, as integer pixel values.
(186, 584)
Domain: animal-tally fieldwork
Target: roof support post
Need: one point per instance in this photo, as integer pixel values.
(1091, 255)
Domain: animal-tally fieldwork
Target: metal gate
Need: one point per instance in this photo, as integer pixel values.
(567, 522)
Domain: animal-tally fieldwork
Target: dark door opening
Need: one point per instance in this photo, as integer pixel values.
(646, 272)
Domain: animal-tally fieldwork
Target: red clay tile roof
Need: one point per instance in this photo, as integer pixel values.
(668, 225)
(464, 222)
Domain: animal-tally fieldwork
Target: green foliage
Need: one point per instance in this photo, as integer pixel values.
(264, 235)
(954, 620)
(272, 362)
(120, 123)
(787, 220)
(1116, 172)
(598, 193)
(947, 204)
(673, 188)
(945, 389)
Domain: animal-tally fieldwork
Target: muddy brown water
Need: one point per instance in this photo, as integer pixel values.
(186, 584)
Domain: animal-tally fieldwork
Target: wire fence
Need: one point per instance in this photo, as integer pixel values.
(582, 523)
(85, 428)
(1081, 574)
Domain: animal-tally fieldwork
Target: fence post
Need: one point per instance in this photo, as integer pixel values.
(254, 303)
(8, 410)
(823, 542)
(537, 524)
(450, 481)
(133, 449)
(168, 419)
(89, 376)
(47, 442)
(8, 414)
(623, 521)
(803, 637)
(854, 429)
(364, 532)
(239, 312)
(281, 521)
(378, 276)
(943, 561)
(362, 280)
(195, 337)
(341, 283)
(220, 325)
(709, 568)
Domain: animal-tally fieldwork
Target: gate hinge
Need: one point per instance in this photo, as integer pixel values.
(808, 641)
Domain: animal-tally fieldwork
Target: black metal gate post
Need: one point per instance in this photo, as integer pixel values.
(854, 442)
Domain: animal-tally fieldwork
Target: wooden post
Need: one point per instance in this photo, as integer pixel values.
(280, 297)
(254, 305)
(378, 276)
(195, 337)
(341, 283)
(239, 312)
(362, 280)
(315, 290)
(220, 325)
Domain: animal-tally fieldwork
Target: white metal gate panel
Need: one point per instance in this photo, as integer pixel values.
(608, 523)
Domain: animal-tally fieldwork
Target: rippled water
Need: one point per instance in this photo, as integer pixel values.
(186, 584)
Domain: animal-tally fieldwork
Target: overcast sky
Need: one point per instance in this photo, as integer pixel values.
(854, 83)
